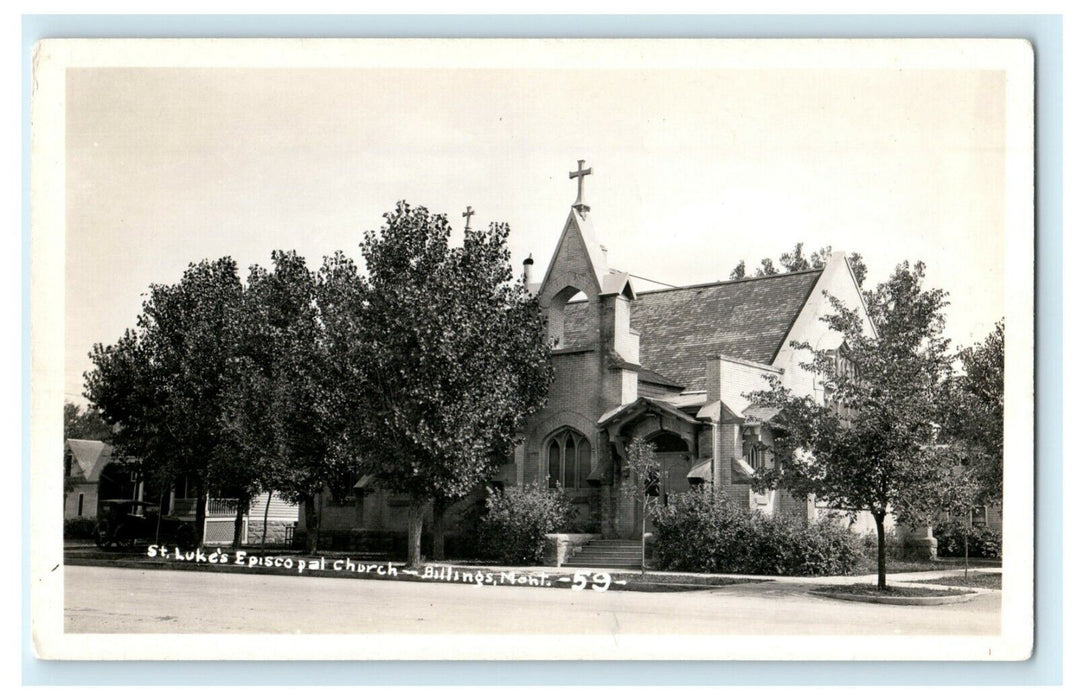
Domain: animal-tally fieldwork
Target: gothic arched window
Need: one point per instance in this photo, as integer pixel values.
(568, 459)
(756, 456)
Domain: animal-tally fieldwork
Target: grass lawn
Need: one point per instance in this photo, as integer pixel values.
(901, 567)
(976, 580)
(871, 590)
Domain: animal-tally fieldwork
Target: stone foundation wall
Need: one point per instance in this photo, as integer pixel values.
(277, 531)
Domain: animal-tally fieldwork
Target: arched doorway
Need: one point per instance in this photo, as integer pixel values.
(674, 459)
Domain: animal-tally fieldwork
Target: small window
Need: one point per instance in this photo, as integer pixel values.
(757, 456)
(81, 496)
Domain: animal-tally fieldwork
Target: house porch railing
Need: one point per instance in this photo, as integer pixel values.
(215, 507)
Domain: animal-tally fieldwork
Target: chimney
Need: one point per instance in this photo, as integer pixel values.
(527, 269)
(714, 379)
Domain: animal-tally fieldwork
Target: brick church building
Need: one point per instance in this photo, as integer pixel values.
(672, 366)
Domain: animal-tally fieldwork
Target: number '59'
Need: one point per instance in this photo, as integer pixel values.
(599, 581)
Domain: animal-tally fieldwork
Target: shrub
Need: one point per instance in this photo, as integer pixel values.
(984, 543)
(513, 530)
(895, 546)
(79, 528)
(696, 533)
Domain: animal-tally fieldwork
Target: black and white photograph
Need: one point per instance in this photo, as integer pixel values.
(565, 349)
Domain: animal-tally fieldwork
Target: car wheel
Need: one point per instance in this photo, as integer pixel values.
(124, 539)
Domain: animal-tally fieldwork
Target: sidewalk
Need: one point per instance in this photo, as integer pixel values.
(342, 565)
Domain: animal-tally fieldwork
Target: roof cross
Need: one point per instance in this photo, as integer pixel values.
(467, 217)
(580, 173)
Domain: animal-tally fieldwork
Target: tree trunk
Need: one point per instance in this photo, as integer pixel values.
(160, 511)
(415, 532)
(880, 527)
(200, 515)
(967, 529)
(311, 517)
(438, 530)
(237, 531)
(265, 518)
(643, 541)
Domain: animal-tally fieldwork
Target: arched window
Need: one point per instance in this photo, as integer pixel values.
(756, 456)
(568, 459)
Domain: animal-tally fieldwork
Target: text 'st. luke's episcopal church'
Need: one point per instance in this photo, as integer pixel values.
(672, 366)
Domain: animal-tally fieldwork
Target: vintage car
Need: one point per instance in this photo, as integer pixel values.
(124, 522)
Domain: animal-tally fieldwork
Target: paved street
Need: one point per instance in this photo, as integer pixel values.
(101, 599)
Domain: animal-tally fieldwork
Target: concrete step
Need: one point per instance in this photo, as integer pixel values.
(607, 553)
(599, 548)
(604, 557)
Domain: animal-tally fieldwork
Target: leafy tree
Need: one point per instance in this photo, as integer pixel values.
(289, 400)
(976, 410)
(276, 323)
(973, 431)
(794, 261)
(873, 444)
(451, 359)
(766, 267)
(163, 384)
(84, 424)
(645, 484)
(959, 491)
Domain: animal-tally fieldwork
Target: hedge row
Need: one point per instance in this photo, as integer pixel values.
(79, 528)
(983, 543)
(695, 533)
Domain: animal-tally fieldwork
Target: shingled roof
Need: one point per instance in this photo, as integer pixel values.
(680, 328)
(749, 319)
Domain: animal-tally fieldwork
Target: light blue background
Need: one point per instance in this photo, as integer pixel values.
(1044, 31)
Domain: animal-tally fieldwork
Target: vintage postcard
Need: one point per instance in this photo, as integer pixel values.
(532, 349)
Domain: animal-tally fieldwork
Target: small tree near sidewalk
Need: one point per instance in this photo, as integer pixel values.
(645, 485)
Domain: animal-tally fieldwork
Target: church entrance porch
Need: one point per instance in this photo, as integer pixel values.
(673, 433)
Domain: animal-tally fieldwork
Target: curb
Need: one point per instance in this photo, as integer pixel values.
(962, 597)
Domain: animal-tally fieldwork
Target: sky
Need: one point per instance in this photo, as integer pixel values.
(693, 170)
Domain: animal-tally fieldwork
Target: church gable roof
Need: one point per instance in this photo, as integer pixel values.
(578, 261)
(748, 319)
